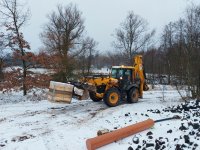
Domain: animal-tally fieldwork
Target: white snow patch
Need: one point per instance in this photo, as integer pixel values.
(50, 126)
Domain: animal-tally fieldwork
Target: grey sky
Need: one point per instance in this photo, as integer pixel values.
(102, 17)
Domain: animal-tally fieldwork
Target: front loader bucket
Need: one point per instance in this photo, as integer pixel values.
(60, 92)
(85, 95)
(82, 94)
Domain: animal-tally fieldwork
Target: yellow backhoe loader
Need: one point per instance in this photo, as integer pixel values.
(123, 83)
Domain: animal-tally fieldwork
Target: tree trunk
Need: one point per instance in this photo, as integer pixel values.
(24, 78)
(169, 73)
(89, 63)
(198, 88)
(1, 70)
(152, 68)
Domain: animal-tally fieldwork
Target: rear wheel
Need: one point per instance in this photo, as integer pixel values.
(94, 97)
(133, 95)
(112, 97)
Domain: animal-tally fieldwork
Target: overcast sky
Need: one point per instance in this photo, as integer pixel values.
(102, 17)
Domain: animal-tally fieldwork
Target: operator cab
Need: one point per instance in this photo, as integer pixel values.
(122, 73)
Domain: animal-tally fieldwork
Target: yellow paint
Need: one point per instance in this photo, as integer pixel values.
(113, 98)
(137, 72)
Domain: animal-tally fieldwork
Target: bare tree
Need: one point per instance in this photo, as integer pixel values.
(181, 45)
(86, 58)
(15, 17)
(63, 35)
(193, 49)
(90, 53)
(132, 36)
(2, 54)
(115, 59)
(167, 40)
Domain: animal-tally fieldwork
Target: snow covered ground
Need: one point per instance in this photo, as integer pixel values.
(34, 70)
(27, 125)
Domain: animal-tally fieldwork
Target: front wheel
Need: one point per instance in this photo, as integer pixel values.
(112, 97)
(94, 97)
(133, 95)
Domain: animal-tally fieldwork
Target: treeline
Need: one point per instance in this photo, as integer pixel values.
(178, 56)
(70, 53)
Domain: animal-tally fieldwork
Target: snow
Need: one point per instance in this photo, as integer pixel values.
(27, 125)
(34, 70)
(103, 70)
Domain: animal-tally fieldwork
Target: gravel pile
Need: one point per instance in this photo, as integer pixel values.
(189, 139)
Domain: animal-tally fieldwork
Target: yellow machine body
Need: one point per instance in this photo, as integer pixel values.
(124, 82)
(108, 82)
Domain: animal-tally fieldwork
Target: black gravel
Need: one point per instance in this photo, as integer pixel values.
(190, 126)
(130, 148)
(135, 140)
(149, 133)
(169, 131)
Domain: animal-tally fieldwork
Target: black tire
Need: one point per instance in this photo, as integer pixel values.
(112, 97)
(133, 95)
(94, 97)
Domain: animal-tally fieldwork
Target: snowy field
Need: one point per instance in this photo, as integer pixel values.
(42, 125)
